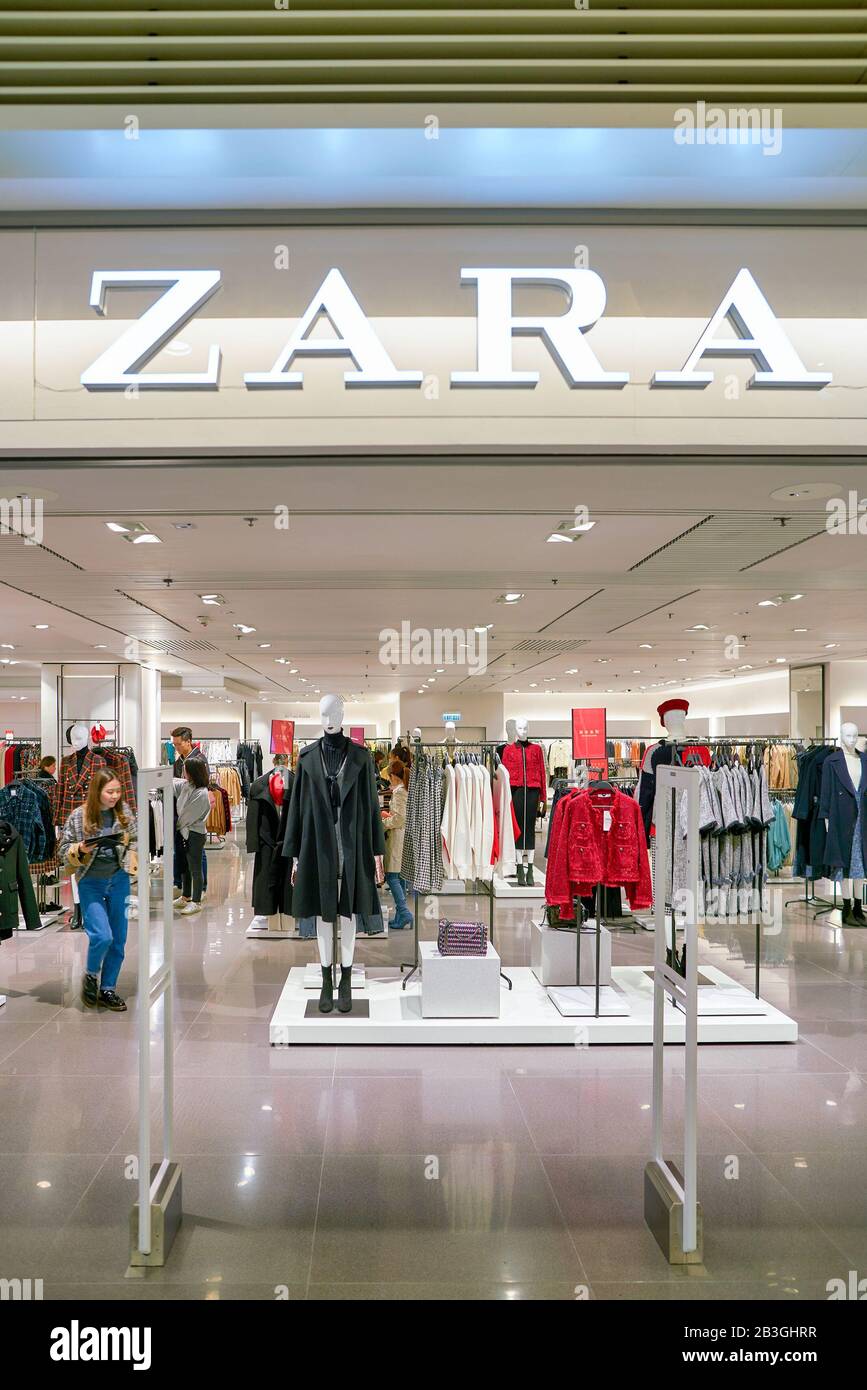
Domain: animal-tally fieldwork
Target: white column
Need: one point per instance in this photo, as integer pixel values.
(48, 712)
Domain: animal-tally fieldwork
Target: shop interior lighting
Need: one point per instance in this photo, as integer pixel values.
(582, 526)
(646, 646)
(698, 627)
(146, 538)
(829, 645)
(243, 627)
(117, 526)
(556, 536)
(264, 645)
(41, 627)
(510, 598)
(800, 629)
(212, 598)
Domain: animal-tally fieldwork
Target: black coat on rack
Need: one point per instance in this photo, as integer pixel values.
(266, 828)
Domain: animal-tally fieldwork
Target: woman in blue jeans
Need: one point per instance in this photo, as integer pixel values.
(394, 823)
(98, 842)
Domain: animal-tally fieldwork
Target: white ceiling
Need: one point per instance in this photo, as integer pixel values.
(435, 544)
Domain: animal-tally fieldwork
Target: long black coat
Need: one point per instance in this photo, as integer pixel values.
(266, 827)
(838, 805)
(16, 885)
(311, 838)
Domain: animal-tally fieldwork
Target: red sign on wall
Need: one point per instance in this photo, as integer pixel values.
(589, 735)
(356, 733)
(282, 736)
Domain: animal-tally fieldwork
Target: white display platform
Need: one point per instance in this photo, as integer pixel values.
(579, 1001)
(509, 887)
(459, 986)
(527, 1016)
(553, 955)
(293, 934)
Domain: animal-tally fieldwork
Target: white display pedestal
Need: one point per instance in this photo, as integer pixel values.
(510, 888)
(527, 1015)
(459, 986)
(552, 955)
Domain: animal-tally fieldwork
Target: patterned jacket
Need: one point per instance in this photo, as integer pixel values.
(74, 832)
(73, 785)
(19, 805)
(598, 839)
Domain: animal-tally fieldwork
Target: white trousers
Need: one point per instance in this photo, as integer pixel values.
(325, 938)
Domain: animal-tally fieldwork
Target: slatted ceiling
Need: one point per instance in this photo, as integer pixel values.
(408, 50)
(720, 547)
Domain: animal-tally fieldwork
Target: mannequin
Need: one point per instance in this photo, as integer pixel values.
(672, 715)
(335, 838)
(451, 737)
(842, 806)
(266, 826)
(525, 764)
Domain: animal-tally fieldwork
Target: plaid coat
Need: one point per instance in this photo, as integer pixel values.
(19, 805)
(72, 790)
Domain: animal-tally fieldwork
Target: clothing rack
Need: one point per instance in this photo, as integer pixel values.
(488, 750)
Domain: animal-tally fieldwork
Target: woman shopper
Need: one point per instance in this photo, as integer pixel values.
(48, 768)
(193, 806)
(394, 822)
(99, 843)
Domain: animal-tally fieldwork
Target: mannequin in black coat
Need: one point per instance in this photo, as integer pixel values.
(266, 827)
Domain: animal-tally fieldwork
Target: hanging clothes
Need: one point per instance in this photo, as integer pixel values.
(525, 765)
(842, 807)
(74, 780)
(597, 838)
(16, 885)
(506, 823)
(809, 861)
(266, 829)
(19, 806)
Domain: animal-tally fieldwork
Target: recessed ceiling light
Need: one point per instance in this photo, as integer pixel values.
(646, 646)
(146, 538)
(533, 685)
(264, 646)
(768, 603)
(100, 646)
(779, 660)
(8, 646)
(636, 673)
(184, 525)
(794, 597)
(212, 598)
(800, 629)
(583, 526)
(243, 627)
(698, 627)
(41, 627)
(118, 526)
(431, 679)
(829, 645)
(440, 670)
(683, 658)
(558, 536)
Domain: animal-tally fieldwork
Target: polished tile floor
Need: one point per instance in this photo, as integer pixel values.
(408, 1173)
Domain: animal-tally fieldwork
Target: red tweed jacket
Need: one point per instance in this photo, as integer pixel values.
(583, 853)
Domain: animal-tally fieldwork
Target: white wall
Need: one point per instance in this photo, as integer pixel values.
(22, 717)
(376, 716)
(845, 684)
(763, 696)
(423, 711)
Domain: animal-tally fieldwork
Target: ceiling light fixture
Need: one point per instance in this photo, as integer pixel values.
(646, 646)
(800, 629)
(243, 627)
(558, 536)
(263, 646)
(698, 627)
(768, 603)
(147, 538)
(41, 627)
(118, 527)
(829, 645)
(212, 598)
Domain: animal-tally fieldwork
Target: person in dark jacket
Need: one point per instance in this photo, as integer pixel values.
(267, 814)
(182, 742)
(16, 885)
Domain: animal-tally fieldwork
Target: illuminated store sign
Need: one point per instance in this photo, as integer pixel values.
(758, 337)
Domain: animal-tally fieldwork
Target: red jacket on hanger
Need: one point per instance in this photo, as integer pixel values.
(598, 838)
(515, 756)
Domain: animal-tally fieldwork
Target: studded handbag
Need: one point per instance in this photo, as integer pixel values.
(462, 938)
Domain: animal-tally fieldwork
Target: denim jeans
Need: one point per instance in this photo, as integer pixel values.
(398, 892)
(103, 911)
(193, 849)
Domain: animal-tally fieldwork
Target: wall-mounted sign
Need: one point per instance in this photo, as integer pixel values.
(356, 733)
(451, 719)
(758, 336)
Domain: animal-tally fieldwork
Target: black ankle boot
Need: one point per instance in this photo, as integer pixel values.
(76, 924)
(858, 911)
(90, 991)
(326, 996)
(528, 878)
(520, 876)
(851, 917)
(344, 990)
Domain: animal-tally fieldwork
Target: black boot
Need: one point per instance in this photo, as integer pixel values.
(851, 918)
(521, 876)
(529, 876)
(858, 911)
(90, 991)
(326, 996)
(344, 990)
(76, 924)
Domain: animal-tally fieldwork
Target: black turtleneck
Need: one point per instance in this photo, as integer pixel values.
(523, 742)
(333, 751)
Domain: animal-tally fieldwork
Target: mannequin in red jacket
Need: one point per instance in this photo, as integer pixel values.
(525, 763)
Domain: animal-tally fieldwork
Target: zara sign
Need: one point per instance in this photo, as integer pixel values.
(759, 337)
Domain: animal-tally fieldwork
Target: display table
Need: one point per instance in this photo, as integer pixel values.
(553, 955)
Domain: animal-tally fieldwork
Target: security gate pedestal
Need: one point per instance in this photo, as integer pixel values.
(166, 1212)
(663, 1212)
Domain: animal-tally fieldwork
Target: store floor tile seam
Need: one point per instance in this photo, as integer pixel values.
(809, 1220)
